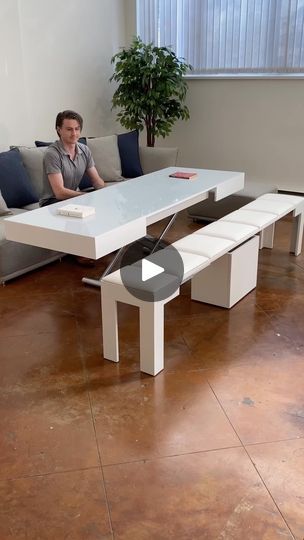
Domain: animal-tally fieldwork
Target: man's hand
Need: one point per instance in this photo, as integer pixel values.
(97, 182)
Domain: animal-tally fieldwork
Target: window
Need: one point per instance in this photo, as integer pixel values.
(228, 37)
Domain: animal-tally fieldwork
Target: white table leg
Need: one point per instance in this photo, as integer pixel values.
(109, 326)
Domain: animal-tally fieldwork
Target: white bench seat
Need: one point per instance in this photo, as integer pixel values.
(280, 208)
(229, 230)
(251, 217)
(212, 248)
(192, 262)
(225, 250)
(296, 200)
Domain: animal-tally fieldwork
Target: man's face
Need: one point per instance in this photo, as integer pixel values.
(69, 132)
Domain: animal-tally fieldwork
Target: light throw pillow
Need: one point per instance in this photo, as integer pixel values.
(155, 158)
(15, 185)
(32, 159)
(4, 211)
(106, 157)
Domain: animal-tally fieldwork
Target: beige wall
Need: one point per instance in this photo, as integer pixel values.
(256, 126)
(53, 56)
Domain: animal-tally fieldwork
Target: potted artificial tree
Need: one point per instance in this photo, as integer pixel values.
(151, 88)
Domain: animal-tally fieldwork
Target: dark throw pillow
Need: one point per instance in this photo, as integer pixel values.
(129, 154)
(15, 184)
(42, 143)
(82, 140)
(85, 182)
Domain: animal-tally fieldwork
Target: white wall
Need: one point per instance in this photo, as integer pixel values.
(256, 126)
(54, 56)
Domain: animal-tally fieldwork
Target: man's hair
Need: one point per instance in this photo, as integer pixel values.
(70, 115)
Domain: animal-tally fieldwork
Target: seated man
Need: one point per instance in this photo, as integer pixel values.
(64, 164)
(66, 160)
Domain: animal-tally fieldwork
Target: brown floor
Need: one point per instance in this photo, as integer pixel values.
(212, 448)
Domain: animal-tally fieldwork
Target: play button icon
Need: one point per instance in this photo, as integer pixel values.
(150, 270)
(151, 277)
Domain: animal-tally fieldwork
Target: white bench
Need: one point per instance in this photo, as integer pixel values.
(211, 245)
(265, 211)
(151, 316)
(233, 275)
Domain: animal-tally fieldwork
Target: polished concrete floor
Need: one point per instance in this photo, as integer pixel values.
(212, 448)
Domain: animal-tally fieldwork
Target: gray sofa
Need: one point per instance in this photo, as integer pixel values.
(16, 258)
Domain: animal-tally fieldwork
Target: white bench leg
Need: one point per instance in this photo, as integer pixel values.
(266, 237)
(151, 317)
(297, 234)
(109, 326)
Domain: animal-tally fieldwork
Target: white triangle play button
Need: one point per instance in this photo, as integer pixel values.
(150, 270)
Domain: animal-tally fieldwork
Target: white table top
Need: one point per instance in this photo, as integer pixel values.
(122, 211)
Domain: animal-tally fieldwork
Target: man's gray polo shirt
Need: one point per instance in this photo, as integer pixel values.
(57, 160)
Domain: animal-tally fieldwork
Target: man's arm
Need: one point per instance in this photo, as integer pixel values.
(97, 182)
(61, 193)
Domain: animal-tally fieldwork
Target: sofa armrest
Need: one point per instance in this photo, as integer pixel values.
(156, 158)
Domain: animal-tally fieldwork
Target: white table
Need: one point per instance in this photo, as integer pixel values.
(123, 212)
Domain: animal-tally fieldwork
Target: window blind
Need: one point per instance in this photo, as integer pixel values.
(228, 36)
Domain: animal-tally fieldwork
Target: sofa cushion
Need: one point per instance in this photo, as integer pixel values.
(32, 206)
(106, 157)
(155, 158)
(86, 180)
(4, 210)
(129, 154)
(15, 184)
(32, 159)
(17, 258)
(14, 212)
